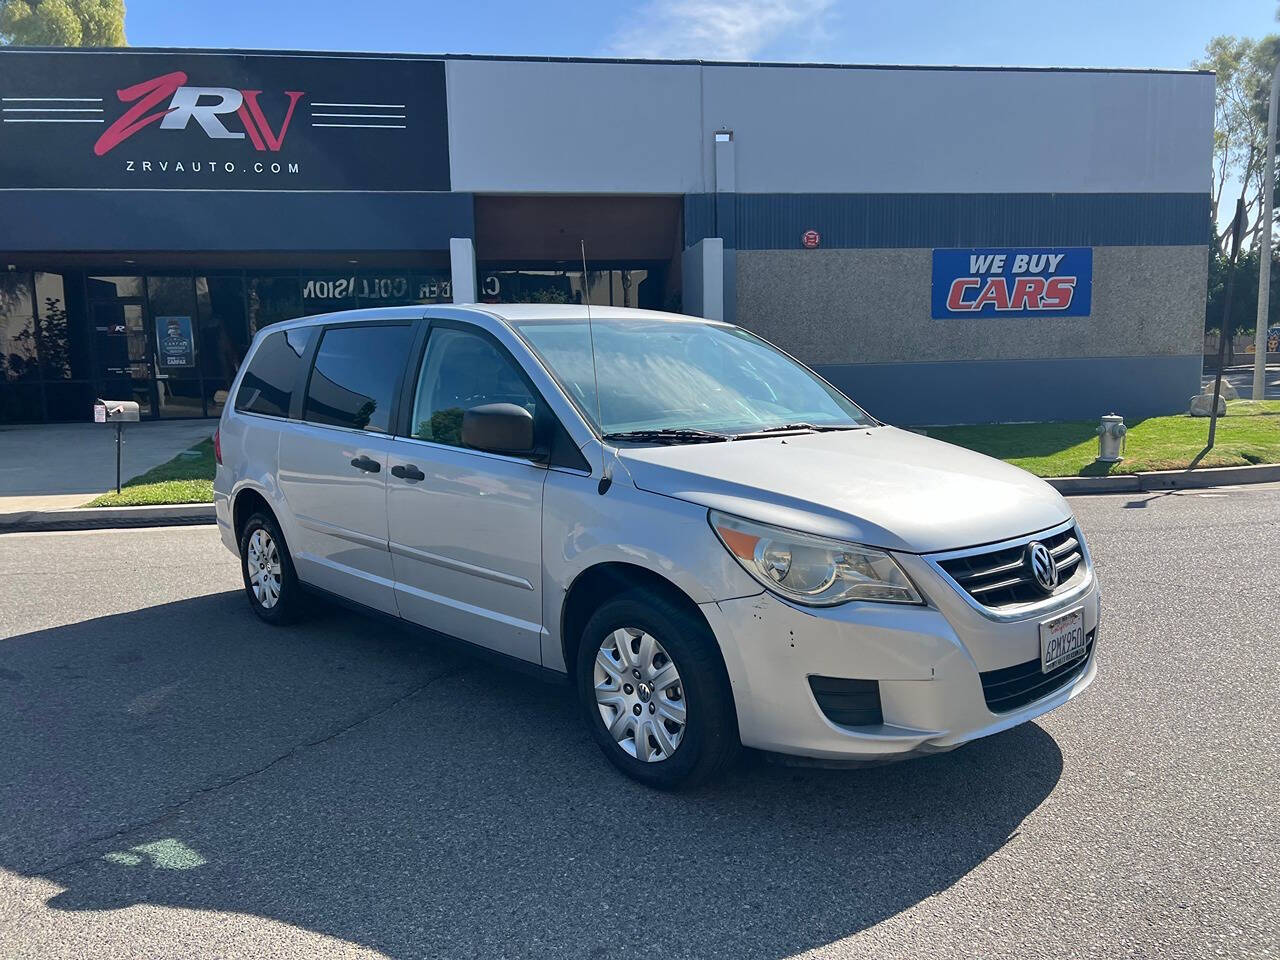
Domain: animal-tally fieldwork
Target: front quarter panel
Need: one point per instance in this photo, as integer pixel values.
(582, 528)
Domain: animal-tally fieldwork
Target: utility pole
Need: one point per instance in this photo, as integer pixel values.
(1264, 239)
(1237, 230)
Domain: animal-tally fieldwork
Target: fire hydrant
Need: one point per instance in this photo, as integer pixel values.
(1111, 438)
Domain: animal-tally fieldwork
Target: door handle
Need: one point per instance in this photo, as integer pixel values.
(407, 471)
(367, 464)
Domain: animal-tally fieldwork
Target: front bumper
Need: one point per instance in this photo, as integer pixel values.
(927, 660)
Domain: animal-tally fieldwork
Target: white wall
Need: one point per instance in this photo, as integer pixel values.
(520, 126)
(928, 131)
(534, 126)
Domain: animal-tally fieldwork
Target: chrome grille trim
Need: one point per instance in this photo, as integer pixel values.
(1072, 556)
(1069, 544)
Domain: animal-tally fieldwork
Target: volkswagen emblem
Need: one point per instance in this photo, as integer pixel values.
(1044, 569)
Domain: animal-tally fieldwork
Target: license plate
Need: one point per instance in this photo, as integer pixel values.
(1062, 640)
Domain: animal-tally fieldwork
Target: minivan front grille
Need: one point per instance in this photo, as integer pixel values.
(1002, 578)
(1013, 687)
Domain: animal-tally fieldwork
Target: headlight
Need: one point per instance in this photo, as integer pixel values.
(813, 570)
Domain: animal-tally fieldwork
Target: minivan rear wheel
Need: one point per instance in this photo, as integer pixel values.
(269, 579)
(654, 692)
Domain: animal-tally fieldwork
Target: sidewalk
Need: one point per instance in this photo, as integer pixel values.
(64, 465)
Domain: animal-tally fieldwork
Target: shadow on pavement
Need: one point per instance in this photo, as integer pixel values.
(351, 779)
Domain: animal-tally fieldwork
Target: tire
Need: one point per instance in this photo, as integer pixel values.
(674, 756)
(277, 598)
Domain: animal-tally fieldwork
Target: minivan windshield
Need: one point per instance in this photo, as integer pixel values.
(688, 379)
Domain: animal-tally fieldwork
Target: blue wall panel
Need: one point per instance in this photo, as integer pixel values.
(776, 221)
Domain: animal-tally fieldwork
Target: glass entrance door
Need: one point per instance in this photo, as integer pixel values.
(122, 354)
(145, 343)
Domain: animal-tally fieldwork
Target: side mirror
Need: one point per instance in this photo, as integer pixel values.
(498, 428)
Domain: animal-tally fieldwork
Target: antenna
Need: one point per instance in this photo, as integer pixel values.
(605, 479)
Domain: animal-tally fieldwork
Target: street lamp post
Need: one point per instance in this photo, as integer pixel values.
(1264, 258)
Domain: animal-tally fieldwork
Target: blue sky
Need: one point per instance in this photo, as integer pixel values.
(1124, 33)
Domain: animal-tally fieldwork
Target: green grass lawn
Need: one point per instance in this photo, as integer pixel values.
(1250, 433)
(187, 478)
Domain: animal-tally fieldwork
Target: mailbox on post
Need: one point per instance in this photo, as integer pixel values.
(117, 412)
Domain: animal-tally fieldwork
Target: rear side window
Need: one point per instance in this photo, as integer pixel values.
(274, 373)
(357, 370)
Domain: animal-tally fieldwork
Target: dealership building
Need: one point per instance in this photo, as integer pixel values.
(947, 245)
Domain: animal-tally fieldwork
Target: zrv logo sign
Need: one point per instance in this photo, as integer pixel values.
(206, 105)
(120, 120)
(1013, 282)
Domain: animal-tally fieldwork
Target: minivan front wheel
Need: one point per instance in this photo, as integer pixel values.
(269, 580)
(654, 692)
(639, 695)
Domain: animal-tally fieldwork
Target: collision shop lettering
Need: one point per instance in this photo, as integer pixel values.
(205, 105)
(1015, 282)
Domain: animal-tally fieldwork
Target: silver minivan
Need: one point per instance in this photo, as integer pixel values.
(715, 546)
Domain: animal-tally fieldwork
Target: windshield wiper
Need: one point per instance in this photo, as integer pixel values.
(795, 428)
(668, 435)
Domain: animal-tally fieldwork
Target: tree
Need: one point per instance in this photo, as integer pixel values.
(63, 23)
(1244, 305)
(1243, 67)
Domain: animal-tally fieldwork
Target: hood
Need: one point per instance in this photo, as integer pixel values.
(880, 486)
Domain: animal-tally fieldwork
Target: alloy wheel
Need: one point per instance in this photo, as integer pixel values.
(639, 694)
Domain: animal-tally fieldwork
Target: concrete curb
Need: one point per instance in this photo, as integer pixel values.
(1168, 480)
(105, 518)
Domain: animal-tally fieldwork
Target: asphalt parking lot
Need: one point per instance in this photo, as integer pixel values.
(177, 779)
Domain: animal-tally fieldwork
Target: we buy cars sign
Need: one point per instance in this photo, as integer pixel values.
(1012, 282)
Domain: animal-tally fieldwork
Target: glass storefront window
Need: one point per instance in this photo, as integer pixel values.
(618, 287)
(17, 328)
(215, 396)
(172, 303)
(272, 299)
(401, 289)
(627, 286)
(170, 295)
(114, 288)
(180, 398)
(126, 389)
(542, 286)
(173, 342)
(54, 327)
(224, 327)
(432, 288)
(326, 292)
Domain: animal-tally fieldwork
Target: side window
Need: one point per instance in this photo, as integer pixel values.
(462, 370)
(273, 374)
(355, 375)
